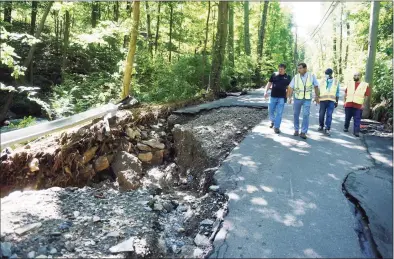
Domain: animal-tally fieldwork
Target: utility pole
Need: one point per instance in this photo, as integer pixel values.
(295, 51)
(373, 32)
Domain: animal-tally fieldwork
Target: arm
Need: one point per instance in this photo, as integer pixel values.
(316, 87)
(337, 96)
(290, 91)
(269, 84)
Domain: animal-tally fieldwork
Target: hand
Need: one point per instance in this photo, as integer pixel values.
(336, 104)
(289, 100)
(362, 107)
(266, 95)
(317, 100)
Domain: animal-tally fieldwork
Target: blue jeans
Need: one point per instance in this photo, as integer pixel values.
(356, 114)
(306, 104)
(275, 110)
(326, 110)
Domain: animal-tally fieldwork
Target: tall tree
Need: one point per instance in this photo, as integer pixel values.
(171, 28)
(7, 11)
(66, 38)
(334, 46)
(95, 13)
(34, 6)
(132, 47)
(340, 65)
(246, 28)
(204, 54)
(157, 26)
(373, 36)
(219, 47)
(37, 34)
(150, 49)
(260, 41)
(262, 30)
(231, 34)
(347, 39)
(116, 11)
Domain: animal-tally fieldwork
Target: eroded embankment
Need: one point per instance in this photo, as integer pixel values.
(146, 188)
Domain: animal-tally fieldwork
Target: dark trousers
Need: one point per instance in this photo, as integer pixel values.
(356, 114)
(326, 110)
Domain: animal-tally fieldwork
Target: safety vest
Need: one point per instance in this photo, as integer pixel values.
(328, 94)
(356, 95)
(303, 90)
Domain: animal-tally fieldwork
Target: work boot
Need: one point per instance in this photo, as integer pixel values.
(303, 135)
(296, 133)
(356, 134)
(277, 131)
(272, 125)
(327, 132)
(345, 130)
(320, 128)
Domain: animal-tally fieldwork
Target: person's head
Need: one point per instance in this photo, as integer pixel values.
(302, 68)
(357, 76)
(328, 73)
(282, 69)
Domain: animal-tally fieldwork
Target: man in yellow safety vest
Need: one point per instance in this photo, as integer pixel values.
(354, 102)
(329, 96)
(302, 85)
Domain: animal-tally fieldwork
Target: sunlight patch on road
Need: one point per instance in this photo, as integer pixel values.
(259, 201)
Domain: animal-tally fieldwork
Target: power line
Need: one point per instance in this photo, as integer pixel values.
(328, 9)
(315, 31)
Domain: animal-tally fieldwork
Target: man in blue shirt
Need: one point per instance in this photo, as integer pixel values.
(302, 85)
(329, 96)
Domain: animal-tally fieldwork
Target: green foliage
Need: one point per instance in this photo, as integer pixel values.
(383, 82)
(26, 122)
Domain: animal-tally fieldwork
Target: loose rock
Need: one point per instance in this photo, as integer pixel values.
(201, 240)
(154, 144)
(125, 246)
(27, 228)
(101, 163)
(145, 157)
(143, 147)
(6, 249)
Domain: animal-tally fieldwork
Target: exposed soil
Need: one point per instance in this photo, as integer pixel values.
(148, 193)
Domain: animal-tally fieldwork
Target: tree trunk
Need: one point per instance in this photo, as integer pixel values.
(116, 11)
(340, 46)
(347, 39)
(261, 41)
(334, 47)
(95, 13)
(7, 11)
(204, 53)
(66, 39)
(157, 27)
(57, 28)
(246, 28)
(148, 28)
(4, 109)
(128, 6)
(132, 47)
(37, 34)
(219, 47)
(34, 6)
(373, 35)
(231, 34)
(295, 52)
(262, 31)
(171, 24)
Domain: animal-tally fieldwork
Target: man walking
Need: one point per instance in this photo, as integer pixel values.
(302, 85)
(279, 82)
(329, 96)
(354, 102)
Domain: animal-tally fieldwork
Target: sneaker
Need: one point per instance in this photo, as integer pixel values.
(303, 135)
(320, 128)
(272, 125)
(346, 130)
(296, 133)
(277, 131)
(327, 132)
(356, 134)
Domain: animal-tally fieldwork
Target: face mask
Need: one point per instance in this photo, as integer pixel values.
(327, 76)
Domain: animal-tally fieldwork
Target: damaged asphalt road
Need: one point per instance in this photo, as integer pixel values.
(287, 201)
(373, 189)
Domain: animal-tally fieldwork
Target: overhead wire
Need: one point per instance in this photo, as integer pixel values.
(333, 6)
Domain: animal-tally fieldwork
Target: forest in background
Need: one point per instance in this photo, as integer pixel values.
(71, 56)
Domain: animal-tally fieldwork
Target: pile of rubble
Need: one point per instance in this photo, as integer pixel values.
(147, 187)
